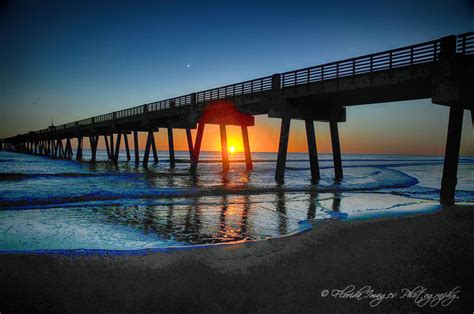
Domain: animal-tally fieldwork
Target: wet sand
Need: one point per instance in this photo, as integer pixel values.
(277, 275)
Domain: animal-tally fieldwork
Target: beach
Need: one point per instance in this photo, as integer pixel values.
(287, 274)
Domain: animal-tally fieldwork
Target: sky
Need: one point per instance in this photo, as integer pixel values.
(62, 61)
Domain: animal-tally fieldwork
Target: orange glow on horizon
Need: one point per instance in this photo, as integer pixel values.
(264, 137)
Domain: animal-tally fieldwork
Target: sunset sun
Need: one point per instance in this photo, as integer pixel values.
(232, 149)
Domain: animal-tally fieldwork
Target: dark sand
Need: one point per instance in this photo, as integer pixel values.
(278, 275)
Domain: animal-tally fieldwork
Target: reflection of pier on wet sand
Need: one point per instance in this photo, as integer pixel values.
(224, 218)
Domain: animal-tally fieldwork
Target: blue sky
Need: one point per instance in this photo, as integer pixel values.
(67, 60)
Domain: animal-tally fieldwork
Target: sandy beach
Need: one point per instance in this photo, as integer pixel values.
(289, 274)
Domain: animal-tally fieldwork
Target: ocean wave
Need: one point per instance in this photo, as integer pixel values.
(433, 194)
(392, 165)
(378, 180)
(14, 176)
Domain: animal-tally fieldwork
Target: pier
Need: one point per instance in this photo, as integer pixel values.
(441, 70)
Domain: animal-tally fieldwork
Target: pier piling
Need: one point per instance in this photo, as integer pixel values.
(112, 154)
(79, 149)
(451, 156)
(146, 155)
(189, 139)
(336, 150)
(93, 142)
(136, 147)
(68, 148)
(312, 150)
(248, 154)
(224, 152)
(61, 149)
(197, 145)
(117, 148)
(282, 150)
(171, 147)
(153, 146)
(127, 147)
(107, 147)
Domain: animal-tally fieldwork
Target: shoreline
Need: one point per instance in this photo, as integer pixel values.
(434, 250)
(429, 207)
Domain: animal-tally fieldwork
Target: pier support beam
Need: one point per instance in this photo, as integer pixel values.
(336, 150)
(136, 147)
(127, 147)
(190, 148)
(112, 153)
(68, 148)
(282, 150)
(248, 155)
(48, 147)
(59, 145)
(117, 149)
(79, 148)
(451, 155)
(153, 146)
(93, 142)
(61, 149)
(146, 156)
(55, 148)
(225, 154)
(312, 150)
(171, 148)
(197, 146)
(109, 156)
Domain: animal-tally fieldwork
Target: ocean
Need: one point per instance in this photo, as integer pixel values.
(51, 205)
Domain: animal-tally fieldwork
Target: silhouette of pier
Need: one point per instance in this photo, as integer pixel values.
(441, 69)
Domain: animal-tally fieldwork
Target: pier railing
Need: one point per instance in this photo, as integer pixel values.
(239, 89)
(406, 56)
(465, 43)
(395, 58)
(180, 101)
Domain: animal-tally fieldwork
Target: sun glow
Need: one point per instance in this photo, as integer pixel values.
(234, 141)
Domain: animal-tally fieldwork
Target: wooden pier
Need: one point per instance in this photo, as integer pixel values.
(442, 70)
